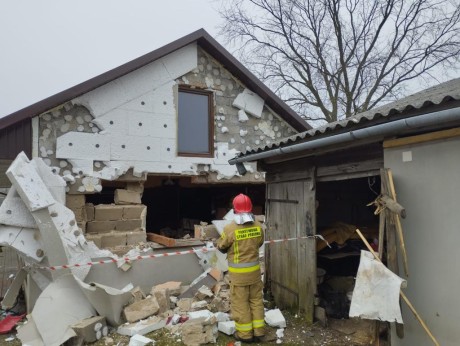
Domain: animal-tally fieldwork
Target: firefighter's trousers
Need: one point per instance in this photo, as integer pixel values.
(247, 310)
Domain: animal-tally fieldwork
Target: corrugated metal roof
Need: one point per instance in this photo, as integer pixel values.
(435, 95)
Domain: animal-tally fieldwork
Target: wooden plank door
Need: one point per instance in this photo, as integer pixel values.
(291, 265)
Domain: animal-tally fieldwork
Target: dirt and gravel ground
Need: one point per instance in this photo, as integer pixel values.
(341, 333)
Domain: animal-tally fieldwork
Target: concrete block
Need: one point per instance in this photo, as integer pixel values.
(90, 329)
(142, 327)
(136, 237)
(198, 332)
(227, 327)
(89, 211)
(141, 309)
(199, 305)
(275, 318)
(94, 237)
(162, 297)
(134, 212)
(113, 239)
(128, 225)
(108, 212)
(100, 226)
(174, 287)
(75, 201)
(127, 197)
(185, 304)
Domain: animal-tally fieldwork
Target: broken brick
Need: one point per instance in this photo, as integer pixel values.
(162, 297)
(141, 309)
(185, 304)
(86, 329)
(174, 287)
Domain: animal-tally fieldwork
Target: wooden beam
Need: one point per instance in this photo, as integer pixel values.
(427, 137)
(398, 224)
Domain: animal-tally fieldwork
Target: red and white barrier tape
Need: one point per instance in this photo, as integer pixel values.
(167, 254)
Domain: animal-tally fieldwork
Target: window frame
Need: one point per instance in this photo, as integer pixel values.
(210, 95)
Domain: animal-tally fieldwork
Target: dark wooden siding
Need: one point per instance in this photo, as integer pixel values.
(16, 138)
(13, 140)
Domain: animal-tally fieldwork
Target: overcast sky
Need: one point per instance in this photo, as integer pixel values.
(50, 45)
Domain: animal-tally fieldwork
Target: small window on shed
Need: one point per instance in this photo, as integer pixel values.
(195, 123)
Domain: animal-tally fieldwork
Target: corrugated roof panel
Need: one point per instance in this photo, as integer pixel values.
(435, 95)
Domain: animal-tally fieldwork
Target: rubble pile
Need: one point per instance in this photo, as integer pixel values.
(191, 313)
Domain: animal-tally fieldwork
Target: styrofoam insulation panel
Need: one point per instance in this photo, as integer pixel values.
(53, 325)
(108, 301)
(134, 148)
(26, 241)
(159, 101)
(90, 146)
(250, 102)
(29, 184)
(13, 211)
(140, 81)
(79, 166)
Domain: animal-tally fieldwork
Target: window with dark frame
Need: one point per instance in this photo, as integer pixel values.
(195, 122)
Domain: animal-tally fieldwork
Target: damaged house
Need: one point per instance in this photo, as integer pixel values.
(328, 181)
(138, 153)
(162, 127)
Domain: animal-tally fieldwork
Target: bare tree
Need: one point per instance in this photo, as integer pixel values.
(343, 57)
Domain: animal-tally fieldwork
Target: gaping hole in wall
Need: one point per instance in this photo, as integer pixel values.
(175, 204)
(341, 208)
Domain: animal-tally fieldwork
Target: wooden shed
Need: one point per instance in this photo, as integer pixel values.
(321, 182)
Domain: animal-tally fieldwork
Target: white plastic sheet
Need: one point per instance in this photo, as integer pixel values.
(376, 292)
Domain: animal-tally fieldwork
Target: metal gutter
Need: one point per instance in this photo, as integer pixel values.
(388, 128)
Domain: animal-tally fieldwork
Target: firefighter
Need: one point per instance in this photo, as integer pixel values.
(241, 241)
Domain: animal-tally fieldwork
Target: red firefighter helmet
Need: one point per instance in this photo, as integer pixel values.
(242, 204)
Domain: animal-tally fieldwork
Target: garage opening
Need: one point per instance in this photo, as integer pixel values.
(341, 208)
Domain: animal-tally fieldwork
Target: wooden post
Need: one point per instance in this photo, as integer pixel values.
(398, 224)
(403, 296)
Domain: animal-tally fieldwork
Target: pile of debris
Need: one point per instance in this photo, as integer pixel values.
(98, 290)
